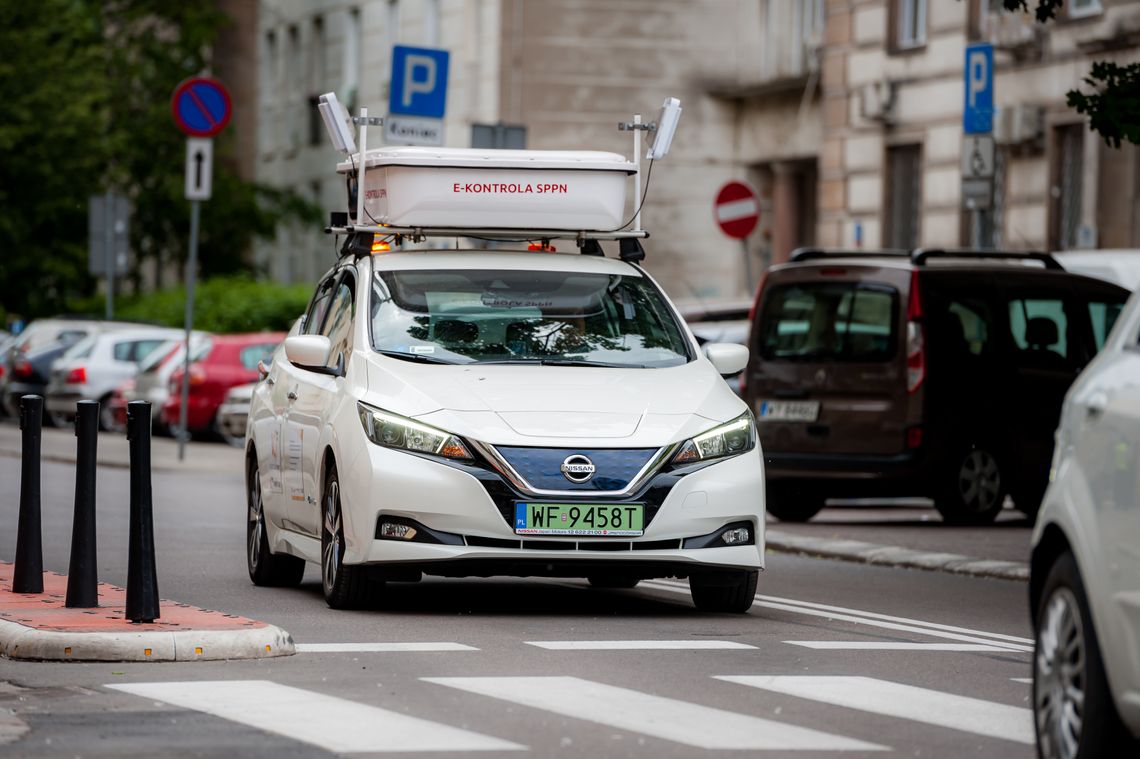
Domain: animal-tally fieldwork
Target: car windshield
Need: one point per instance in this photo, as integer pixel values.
(534, 317)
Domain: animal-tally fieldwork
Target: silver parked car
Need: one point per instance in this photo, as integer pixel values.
(92, 369)
(152, 383)
(234, 412)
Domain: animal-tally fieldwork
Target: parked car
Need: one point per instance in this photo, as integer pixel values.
(41, 334)
(92, 368)
(31, 371)
(152, 383)
(233, 414)
(932, 373)
(1084, 585)
(231, 360)
(1121, 267)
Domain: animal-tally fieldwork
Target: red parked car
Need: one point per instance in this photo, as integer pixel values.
(229, 361)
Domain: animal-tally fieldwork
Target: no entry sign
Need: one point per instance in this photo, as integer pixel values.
(201, 107)
(736, 210)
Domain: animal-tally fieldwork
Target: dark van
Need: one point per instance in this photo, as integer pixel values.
(929, 373)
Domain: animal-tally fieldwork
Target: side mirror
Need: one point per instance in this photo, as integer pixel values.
(727, 358)
(310, 352)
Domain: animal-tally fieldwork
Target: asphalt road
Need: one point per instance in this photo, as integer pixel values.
(833, 657)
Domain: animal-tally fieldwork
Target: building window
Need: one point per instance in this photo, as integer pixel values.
(1083, 8)
(904, 195)
(1067, 187)
(792, 36)
(909, 22)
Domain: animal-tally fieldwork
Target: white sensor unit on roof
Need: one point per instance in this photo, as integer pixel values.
(336, 123)
(667, 120)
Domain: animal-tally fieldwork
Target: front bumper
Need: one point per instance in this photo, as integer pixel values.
(471, 506)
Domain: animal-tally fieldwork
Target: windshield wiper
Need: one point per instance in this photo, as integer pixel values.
(563, 362)
(417, 357)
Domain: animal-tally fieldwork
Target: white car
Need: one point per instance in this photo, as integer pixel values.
(1120, 266)
(234, 413)
(95, 366)
(474, 413)
(1085, 569)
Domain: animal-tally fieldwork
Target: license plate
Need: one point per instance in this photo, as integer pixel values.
(788, 411)
(608, 519)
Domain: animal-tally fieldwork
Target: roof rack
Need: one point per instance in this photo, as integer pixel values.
(419, 234)
(811, 254)
(920, 255)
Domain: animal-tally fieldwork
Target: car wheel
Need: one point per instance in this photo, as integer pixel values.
(345, 586)
(789, 503)
(237, 441)
(1072, 705)
(106, 414)
(265, 568)
(728, 591)
(58, 419)
(613, 581)
(974, 488)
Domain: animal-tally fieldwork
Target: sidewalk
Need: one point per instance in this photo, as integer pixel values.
(59, 445)
(39, 627)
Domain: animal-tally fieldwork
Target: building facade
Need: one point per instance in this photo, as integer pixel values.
(844, 115)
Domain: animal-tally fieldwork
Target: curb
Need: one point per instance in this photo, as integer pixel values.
(27, 643)
(893, 556)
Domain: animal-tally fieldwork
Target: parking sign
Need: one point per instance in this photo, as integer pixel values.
(419, 82)
(978, 114)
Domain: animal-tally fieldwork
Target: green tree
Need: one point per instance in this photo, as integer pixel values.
(1113, 106)
(85, 89)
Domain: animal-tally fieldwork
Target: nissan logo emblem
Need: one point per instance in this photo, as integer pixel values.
(577, 468)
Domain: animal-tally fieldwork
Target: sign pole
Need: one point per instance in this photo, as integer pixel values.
(747, 263)
(109, 251)
(191, 274)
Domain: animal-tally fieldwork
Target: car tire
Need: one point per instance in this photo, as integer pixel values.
(973, 487)
(58, 419)
(613, 582)
(731, 591)
(789, 503)
(1067, 658)
(345, 586)
(266, 568)
(220, 430)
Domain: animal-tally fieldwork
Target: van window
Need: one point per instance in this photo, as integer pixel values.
(1039, 327)
(1103, 317)
(975, 320)
(829, 322)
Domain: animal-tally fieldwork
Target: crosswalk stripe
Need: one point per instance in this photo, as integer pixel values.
(334, 724)
(1022, 680)
(637, 645)
(670, 719)
(892, 699)
(892, 645)
(325, 648)
(864, 618)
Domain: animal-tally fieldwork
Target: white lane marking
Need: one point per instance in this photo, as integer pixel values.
(333, 724)
(1022, 680)
(670, 719)
(932, 707)
(737, 209)
(891, 645)
(884, 617)
(933, 633)
(637, 645)
(325, 648)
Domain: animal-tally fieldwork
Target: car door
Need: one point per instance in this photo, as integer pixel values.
(309, 399)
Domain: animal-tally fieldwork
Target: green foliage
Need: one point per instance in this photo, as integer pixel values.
(85, 87)
(1113, 107)
(221, 304)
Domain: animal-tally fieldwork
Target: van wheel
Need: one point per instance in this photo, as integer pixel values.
(1073, 710)
(345, 586)
(729, 591)
(792, 504)
(973, 488)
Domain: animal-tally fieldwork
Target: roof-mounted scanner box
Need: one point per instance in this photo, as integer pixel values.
(517, 189)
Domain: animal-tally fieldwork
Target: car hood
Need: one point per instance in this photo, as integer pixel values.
(538, 405)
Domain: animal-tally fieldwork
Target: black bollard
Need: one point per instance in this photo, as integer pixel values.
(83, 575)
(28, 576)
(142, 575)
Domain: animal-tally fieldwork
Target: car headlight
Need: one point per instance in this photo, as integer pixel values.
(729, 439)
(392, 431)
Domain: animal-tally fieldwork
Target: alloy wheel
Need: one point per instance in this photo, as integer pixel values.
(1060, 687)
(256, 521)
(331, 553)
(979, 481)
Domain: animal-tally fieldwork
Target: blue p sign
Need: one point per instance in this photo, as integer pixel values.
(419, 82)
(978, 115)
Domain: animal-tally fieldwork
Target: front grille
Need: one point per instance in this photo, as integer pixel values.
(541, 467)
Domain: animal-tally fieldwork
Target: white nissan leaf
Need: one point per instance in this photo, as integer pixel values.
(485, 413)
